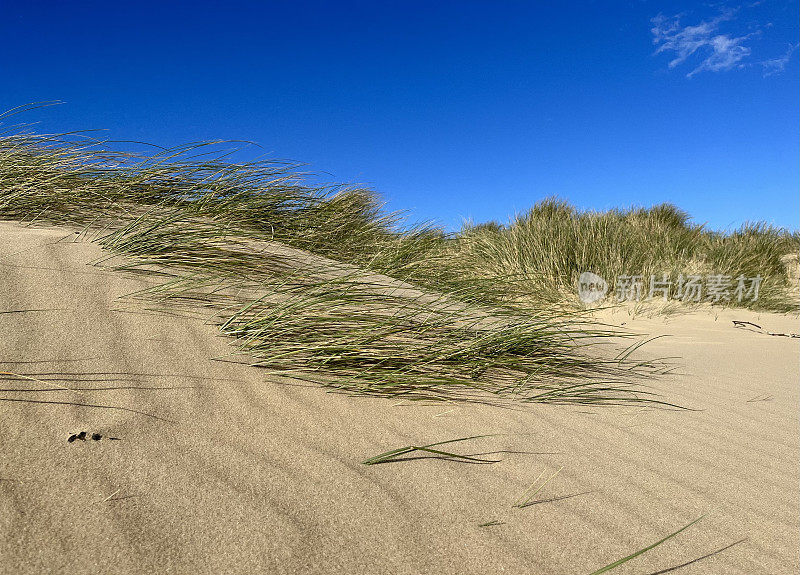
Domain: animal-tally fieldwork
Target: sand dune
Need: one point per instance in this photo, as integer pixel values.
(220, 470)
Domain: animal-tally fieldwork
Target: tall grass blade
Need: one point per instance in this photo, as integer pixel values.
(619, 562)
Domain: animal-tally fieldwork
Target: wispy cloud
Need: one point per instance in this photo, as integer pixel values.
(776, 65)
(718, 52)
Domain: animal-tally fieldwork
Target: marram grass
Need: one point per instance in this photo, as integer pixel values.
(553, 243)
(319, 283)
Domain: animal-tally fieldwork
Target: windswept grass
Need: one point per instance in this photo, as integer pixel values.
(365, 333)
(320, 283)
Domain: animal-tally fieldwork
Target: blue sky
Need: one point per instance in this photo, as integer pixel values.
(451, 110)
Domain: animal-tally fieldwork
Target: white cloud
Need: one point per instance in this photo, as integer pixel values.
(719, 52)
(776, 65)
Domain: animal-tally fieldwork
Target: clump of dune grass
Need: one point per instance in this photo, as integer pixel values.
(75, 178)
(553, 243)
(357, 331)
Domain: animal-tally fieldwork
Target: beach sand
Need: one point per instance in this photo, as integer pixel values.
(221, 469)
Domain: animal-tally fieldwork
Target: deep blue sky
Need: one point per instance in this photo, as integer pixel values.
(451, 110)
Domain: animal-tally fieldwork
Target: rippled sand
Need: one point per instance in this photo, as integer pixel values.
(218, 470)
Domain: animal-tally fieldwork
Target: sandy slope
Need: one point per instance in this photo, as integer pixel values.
(230, 473)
